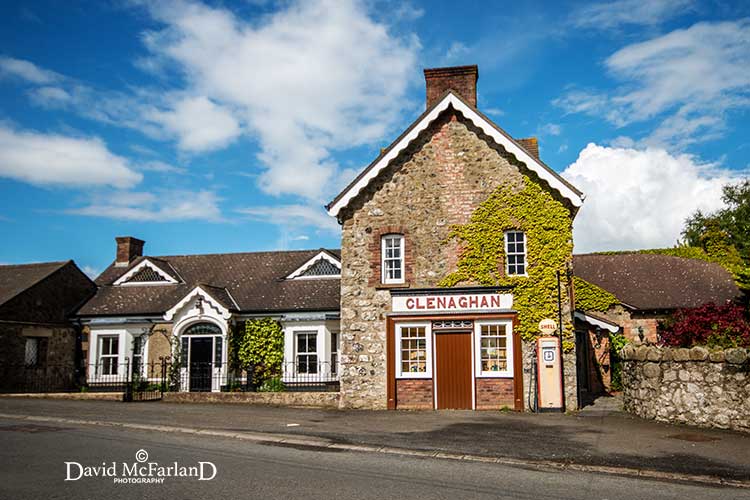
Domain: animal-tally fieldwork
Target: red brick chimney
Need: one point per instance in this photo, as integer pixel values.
(531, 144)
(461, 79)
(128, 249)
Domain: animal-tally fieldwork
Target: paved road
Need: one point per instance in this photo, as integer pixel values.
(601, 439)
(33, 460)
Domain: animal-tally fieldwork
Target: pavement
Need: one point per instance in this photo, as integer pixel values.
(34, 456)
(600, 438)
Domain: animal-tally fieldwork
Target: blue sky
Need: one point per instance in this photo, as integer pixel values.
(226, 126)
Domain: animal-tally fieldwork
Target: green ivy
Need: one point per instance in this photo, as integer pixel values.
(548, 227)
(261, 346)
(590, 297)
(616, 343)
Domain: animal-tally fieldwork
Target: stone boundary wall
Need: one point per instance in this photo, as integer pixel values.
(308, 399)
(688, 386)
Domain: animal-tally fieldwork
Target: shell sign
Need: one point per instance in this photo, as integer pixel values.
(548, 326)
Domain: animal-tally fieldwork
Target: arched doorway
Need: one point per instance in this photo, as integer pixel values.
(202, 349)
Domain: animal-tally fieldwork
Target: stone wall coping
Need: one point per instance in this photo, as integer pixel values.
(654, 353)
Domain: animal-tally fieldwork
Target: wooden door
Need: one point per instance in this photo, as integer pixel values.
(453, 370)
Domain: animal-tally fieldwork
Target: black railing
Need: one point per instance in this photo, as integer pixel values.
(139, 381)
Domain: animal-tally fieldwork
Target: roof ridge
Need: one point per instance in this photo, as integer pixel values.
(29, 264)
(260, 252)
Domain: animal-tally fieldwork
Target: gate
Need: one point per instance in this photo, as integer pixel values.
(148, 387)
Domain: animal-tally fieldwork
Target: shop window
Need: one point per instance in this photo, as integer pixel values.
(109, 350)
(495, 349)
(413, 358)
(515, 253)
(392, 258)
(307, 352)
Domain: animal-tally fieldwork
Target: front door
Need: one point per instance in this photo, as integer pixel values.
(201, 367)
(453, 370)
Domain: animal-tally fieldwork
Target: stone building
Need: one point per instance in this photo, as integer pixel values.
(431, 318)
(39, 341)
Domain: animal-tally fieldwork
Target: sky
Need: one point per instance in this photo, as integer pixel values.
(205, 127)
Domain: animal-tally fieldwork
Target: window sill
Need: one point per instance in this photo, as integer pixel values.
(390, 286)
(495, 375)
(414, 377)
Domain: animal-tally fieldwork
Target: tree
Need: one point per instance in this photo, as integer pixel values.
(733, 220)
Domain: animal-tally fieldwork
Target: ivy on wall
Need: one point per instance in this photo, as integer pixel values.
(547, 224)
(261, 345)
(590, 297)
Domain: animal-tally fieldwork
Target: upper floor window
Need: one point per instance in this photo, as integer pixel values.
(392, 252)
(515, 253)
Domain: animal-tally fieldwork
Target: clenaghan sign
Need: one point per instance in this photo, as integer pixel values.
(452, 303)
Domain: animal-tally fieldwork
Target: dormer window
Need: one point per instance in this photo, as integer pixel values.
(323, 265)
(392, 258)
(145, 273)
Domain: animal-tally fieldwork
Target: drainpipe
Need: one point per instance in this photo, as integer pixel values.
(560, 326)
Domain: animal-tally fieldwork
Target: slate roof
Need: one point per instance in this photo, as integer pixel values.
(15, 279)
(253, 281)
(654, 282)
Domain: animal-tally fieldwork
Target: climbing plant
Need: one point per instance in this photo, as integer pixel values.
(547, 224)
(590, 297)
(261, 346)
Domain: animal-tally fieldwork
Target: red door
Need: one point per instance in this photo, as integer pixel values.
(453, 370)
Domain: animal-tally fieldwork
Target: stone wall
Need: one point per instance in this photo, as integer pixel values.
(308, 399)
(688, 386)
(437, 183)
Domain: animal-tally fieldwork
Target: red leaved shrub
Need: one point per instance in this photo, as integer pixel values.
(708, 325)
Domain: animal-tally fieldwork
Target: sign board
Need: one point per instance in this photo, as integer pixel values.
(452, 303)
(548, 326)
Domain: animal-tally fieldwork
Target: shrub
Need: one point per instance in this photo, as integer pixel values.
(616, 342)
(262, 348)
(272, 385)
(708, 325)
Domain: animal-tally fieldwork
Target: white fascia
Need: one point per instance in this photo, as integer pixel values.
(596, 322)
(198, 292)
(297, 274)
(122, 280)
(480, 122)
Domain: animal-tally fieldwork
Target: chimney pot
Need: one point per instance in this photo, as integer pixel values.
(461, 79)
(128, 249)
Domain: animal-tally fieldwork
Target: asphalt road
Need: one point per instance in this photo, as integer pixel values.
(33, 466)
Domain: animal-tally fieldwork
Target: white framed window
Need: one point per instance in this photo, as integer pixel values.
(306, 352)
(413, 350)
(515, 253)
(494, 348)
(138, 345)
(392, 258)
(109, 351)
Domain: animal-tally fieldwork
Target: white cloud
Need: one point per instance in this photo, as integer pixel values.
(91, 271)
(160, 166)
(163, 206)
(639, 198)
(550, 129)
(52, 159)
(27, 71)
(313, 77)
(199, 123)
(293, 216)
(688, 79)
(609, 15)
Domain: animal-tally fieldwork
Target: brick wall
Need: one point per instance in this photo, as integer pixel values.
(630, 321)
(494, 393)
(414, 394)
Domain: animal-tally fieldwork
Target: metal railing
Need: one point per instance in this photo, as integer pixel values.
(135, 379)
